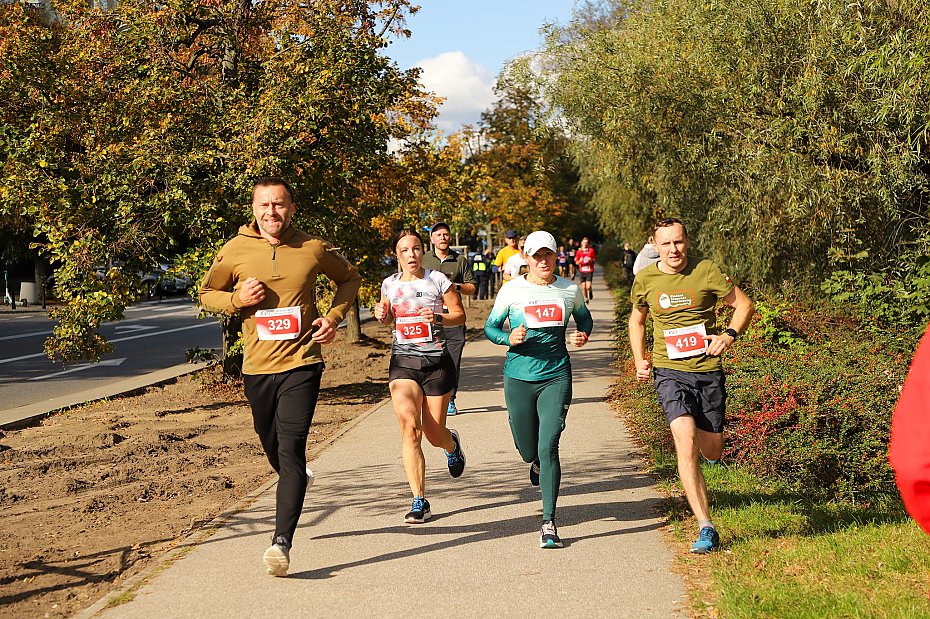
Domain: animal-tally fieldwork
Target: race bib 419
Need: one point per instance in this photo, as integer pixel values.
(685, 341)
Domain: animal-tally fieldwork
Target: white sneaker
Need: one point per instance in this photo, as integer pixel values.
(310, 478)
(277, 560)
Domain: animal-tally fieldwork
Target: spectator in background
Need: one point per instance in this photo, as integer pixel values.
(479, 266)
(493, 272)
(570, 250)
(629, 259)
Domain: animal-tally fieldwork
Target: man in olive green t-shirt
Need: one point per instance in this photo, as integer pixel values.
(682, 297)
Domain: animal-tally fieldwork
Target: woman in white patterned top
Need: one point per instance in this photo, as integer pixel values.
(421, 373)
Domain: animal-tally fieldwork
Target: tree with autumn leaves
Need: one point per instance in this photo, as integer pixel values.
(132, 136)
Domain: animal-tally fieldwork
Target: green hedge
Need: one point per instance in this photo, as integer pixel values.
(815, 414)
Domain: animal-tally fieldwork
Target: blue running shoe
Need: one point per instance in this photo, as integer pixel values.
(708, 541)
(452, 410)
(456, 459)
(534, 473)
(419, 512)
(548, 537)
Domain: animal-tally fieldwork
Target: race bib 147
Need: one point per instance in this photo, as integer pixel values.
(544, 313)
(282, 323)
(685, 341)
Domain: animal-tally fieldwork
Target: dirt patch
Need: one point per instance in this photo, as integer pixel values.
(91, 495)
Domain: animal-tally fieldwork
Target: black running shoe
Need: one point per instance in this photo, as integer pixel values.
(534, 473)
(456, 459)
(419, 512)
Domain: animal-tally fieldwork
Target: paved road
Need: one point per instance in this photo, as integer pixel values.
(478, 557)
(153, 336)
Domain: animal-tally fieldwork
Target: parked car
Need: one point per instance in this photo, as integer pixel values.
(163, 279)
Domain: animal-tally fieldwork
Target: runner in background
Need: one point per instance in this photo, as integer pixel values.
(516, 264)
(562, 261)
(267, 275)
(681, 295)
(646, 256)
(457, 268)
(421, 372)
(585, 258)
(510, 237)
(538, 371)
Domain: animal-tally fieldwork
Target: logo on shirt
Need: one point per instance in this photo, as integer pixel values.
(675, 300)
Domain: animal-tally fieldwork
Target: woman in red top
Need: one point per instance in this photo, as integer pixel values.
(584, 260)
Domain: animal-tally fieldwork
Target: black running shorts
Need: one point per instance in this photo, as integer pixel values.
(435, 376)
(586, 277)
(702, 395)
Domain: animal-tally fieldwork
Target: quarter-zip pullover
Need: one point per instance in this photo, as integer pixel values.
(288, 271)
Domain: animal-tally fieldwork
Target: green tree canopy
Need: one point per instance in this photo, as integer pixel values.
(134, 135)
(786, 132)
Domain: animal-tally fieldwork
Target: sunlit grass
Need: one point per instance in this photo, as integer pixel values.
(787, 555)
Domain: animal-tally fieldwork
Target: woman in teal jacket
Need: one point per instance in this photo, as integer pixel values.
(538, 371)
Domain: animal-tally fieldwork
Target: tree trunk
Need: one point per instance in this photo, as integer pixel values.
(232, 331)
(353, 324)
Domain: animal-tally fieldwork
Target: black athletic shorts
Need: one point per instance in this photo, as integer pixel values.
(586, 277)
(702, 395)
(435, 376)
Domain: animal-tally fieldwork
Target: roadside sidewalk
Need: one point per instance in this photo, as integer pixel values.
(479, 556)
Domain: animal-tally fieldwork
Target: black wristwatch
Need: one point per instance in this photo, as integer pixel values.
(438, 318)
(458, 287)
(732, 333)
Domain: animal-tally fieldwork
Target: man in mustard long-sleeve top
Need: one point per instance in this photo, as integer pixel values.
(267, 274)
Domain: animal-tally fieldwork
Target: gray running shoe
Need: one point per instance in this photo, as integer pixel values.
(548, 536)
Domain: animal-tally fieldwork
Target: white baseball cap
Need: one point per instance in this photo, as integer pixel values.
(539, 240)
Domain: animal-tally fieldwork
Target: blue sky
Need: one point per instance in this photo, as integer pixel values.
(462, 45)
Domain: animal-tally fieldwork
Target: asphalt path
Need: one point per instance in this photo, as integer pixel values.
(152, 336)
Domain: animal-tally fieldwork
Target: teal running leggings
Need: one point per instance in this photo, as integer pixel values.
(537, 413)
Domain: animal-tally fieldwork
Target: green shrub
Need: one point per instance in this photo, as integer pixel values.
(892, 303)
(810, 398)
(815, 417)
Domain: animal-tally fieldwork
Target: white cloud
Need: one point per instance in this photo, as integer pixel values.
(468, 88)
